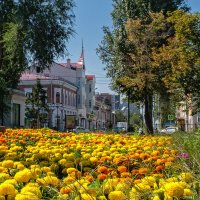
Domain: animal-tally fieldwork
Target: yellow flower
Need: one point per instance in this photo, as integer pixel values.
(156, 198)
(174, 189)
(46, 169)
(4, 176)
(27, 196)
(71, 169)
(68, 179)
(188, 192)
(87, 197)
(186, 177)
(2, 170)
(23, 176)
(34, 190)
(102, 198)
(116, 195)
(7, 163)
(52, 180)
(122, 187)
(11, 181)
(7, 189)
(93, 159)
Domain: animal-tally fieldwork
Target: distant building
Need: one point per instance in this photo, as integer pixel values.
(16, 105)
(61, 97)
(90, 102)
(65, 84)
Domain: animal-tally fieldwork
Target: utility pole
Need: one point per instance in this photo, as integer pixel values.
(128, 123)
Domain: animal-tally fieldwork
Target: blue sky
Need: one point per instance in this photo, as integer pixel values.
(91, 16)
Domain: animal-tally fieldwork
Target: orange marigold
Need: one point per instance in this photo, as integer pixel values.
(103, 169)
(126, 175)
(122, 169)
(102, 177)
(143, 170)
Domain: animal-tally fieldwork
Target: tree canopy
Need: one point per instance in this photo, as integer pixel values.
(138, 27)
(32, 33)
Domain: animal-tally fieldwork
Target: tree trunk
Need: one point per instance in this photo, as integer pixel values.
(148, 113)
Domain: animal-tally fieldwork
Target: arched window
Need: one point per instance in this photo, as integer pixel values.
(57, 97)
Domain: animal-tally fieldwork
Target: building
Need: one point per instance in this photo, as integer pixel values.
(65, 84)
(61, 98)
(90, 102)
(16, 105)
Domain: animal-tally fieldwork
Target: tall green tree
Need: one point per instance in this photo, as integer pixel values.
(32, 33)
(36, 106)
(118, 51)
(181, 55)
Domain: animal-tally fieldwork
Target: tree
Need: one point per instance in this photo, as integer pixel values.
(32, 33)
(36, 107)
(116, 48)
(181, 55)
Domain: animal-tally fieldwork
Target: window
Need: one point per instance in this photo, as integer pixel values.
(28, 94)
(90, 88)
(38, 70)
(16, 115)
(78, 99)
(90, 103)
(57, 97)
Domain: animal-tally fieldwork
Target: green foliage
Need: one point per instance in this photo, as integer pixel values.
(126, 50)
(32, 33)
(181, 53)
(189, 143)
(36, 107)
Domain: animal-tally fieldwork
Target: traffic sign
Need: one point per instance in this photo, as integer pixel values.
(170, 117)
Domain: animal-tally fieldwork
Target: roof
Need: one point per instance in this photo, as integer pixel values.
(79, 64)
(31, 76)
(90, 77)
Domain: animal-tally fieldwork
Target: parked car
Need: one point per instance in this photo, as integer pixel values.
(79, 129)
(169, 130)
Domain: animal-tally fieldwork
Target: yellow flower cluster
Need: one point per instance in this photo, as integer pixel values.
(90, 167)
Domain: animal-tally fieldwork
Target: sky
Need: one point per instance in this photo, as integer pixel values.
(91, 16)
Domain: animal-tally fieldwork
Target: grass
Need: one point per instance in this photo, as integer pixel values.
(189, 146)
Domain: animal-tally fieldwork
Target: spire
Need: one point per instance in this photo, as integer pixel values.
(81, 60)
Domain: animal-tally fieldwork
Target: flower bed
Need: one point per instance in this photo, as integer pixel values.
(44, 164)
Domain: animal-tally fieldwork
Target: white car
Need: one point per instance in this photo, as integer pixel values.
(169, 129)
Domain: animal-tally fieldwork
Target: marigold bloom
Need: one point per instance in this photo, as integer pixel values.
(23, 176)
(143, 170)
(69, 179)
(7, 189)
(51, 180)
(66, 190)
(27, 196)
(103, 169)
(174, 189)
(126, 175)
(7, 163)
(89, 178)
(116, 195)
(122, 169)
(188, 192)
(71, 169)
(102, 177)
(4, 176)
(34, 190)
